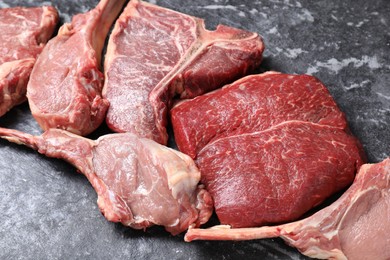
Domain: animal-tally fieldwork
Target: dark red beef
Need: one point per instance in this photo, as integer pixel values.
(278, 174)
(253, 103)
(270, 147)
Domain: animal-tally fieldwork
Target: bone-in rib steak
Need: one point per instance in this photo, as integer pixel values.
(64, 90)
(154, 53)
(138, 181)
(24, 32)
(270, 147)
(356, 226)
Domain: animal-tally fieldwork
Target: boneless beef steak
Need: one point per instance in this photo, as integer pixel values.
(23, 34)
(154, 53)
(253, 103)
(65, 87)
(138, 181)
(356, 226)
(270, 147)
(278, 174)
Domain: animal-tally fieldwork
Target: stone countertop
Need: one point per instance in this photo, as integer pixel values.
(49, 211)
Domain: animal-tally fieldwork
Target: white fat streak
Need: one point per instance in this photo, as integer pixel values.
(181, 171)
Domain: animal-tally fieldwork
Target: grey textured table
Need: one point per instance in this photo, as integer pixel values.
(49, 211)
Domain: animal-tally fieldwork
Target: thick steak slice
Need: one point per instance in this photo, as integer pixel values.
(356, 226)
(138, 181)
(278, 174)
(154, 53)
(24, 32)
(253, 103)
(64, 90)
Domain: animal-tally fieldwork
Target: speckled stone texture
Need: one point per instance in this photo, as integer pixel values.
(49, 211)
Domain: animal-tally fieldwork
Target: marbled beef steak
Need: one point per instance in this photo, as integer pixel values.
(346, 229)
(139, 182)
(155, 53)
(24, 32)
(270, 147)
(276, 175)
(65, 87)
(253, 103)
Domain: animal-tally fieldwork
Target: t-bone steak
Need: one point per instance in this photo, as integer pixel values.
(65, 87)
(270, 147)
(24, 33)
(354, 227)
(154, 53)
(138, 181)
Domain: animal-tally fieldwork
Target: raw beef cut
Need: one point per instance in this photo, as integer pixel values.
(64, 90)
(278, 174)
(253, 103)
(155, 53)
(270, 147)
(138, 181)
(24, 32)
(356, 226)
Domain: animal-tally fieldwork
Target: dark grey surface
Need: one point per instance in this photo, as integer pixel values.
(48, 211)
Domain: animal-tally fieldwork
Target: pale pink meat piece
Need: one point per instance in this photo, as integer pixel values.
(24, 33)
(65, 87)
(139, 182)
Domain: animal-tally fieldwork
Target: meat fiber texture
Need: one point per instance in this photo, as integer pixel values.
(24, 33)
(65, 87)
(155, 53)
(356, 226)
(139, 182)
(270, 147)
